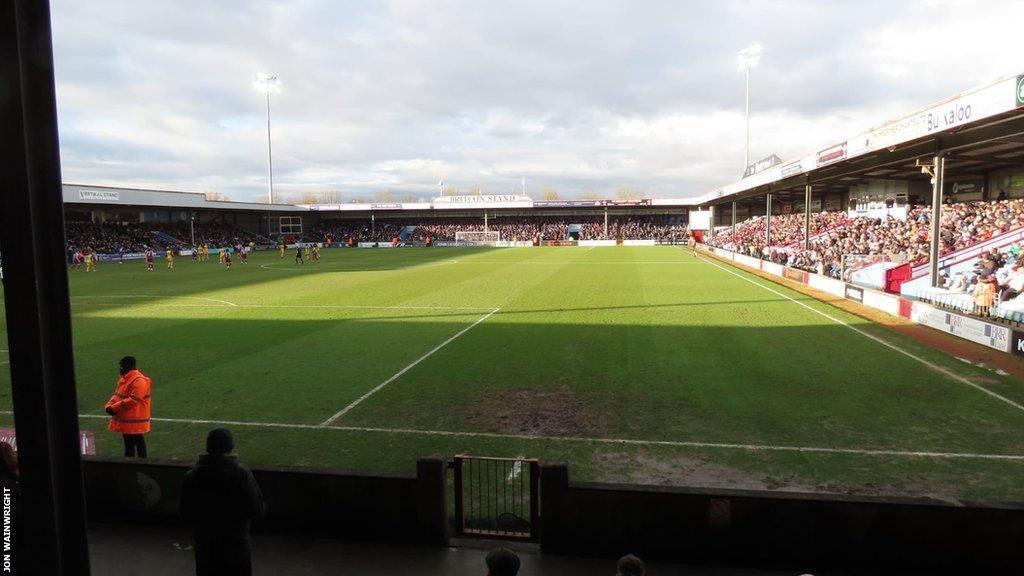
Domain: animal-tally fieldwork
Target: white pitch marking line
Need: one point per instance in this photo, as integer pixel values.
(618, 441)
(359, 307)
(398, 374)
(934, 367)
(117, 296)
(311, 306)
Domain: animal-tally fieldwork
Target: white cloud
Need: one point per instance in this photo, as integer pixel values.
(571, 95)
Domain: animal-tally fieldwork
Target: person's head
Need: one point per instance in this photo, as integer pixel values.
(220, 441)
(630, 565)
(8, 457)
(127, 364)
(502, 562)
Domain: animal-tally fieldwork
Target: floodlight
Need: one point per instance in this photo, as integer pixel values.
(749, 56)
(266, 83)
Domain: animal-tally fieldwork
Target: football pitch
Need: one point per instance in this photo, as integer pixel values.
(645, 365)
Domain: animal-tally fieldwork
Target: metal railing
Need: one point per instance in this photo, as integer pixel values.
(497, 497)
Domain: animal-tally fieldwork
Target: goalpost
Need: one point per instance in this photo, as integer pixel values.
(477, 238)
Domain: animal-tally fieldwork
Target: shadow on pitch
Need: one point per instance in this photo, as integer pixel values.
(792, 385)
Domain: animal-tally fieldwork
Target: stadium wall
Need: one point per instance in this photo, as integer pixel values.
(769, 529)
(358, 505)
(692, 525)
(990, 334)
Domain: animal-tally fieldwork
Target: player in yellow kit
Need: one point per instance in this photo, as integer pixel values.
(170, 259)
(90, 261)
(280, 249)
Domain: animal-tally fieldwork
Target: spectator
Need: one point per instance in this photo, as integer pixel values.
(502, 562)
(8, 464)
(984, 295)
(958, 283)
(1014, 284)
(630, 565)
(219, 500)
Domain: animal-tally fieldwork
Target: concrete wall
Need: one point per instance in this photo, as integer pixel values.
(802, 532)
(357, 505)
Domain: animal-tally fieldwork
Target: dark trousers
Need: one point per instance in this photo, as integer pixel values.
(134, 445)
(216, 561)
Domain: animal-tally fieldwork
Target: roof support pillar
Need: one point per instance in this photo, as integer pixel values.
(938, 169)
(768, 219)
(807, 215)
(51, 529)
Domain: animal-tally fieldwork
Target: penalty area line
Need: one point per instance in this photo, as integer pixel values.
(939, 369)
(398, 374)
(612, 441)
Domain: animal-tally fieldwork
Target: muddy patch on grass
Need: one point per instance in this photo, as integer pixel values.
(536, 412)
(661, 470)
(640, 468)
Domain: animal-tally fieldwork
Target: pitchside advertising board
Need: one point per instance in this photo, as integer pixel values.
(991, 335)
(1017, 344)
(854, 293)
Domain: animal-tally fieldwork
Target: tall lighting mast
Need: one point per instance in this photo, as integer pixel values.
(748, 58)
(267, 84)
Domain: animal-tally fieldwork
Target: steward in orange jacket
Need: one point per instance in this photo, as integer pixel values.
(129, 408)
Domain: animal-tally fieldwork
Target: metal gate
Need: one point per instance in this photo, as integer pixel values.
(497, 497)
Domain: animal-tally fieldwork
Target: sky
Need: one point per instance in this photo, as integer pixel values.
(583, 97)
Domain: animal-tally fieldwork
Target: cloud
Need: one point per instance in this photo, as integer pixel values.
(573, 96)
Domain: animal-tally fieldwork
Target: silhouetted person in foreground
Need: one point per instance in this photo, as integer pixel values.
(219, 500)
(502, 562)
(630, 565)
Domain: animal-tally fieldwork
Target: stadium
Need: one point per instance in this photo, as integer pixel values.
(816, 366)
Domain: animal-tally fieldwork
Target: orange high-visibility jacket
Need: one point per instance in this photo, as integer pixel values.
(131, 404)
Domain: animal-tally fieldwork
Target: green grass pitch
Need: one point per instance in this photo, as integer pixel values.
(631, 364)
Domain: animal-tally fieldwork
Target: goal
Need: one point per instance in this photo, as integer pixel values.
(477, 238)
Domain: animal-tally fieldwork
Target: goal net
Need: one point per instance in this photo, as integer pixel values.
(477, 238)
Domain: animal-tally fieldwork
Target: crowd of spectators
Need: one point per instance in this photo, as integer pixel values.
(109, 238)
(119, 237)
(835, 235)
(995, 282)
(524, 228)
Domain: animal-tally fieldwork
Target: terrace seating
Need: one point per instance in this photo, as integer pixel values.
(836, 234)
(115, 237)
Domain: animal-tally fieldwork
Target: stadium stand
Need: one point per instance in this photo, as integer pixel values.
(115, 237)
(511, 228)
(835, 234)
